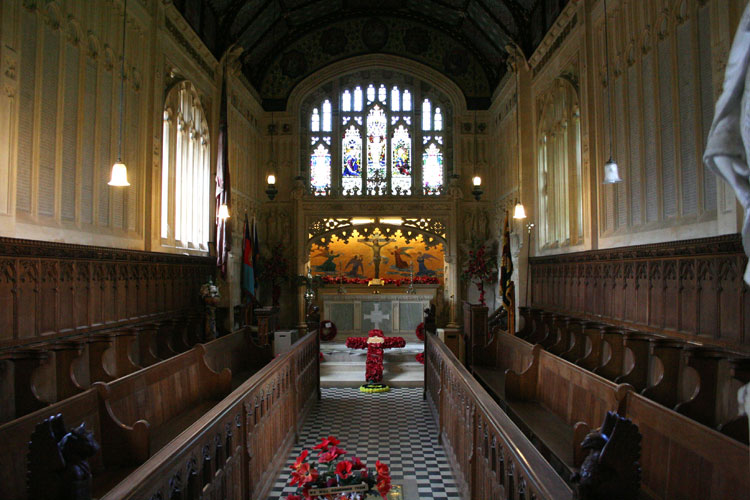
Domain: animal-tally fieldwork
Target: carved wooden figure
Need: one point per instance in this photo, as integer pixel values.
(612, 468)
(58, 467)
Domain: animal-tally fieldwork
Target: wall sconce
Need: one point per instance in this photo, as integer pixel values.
(223, 212)
(271, 190)
(477, 191)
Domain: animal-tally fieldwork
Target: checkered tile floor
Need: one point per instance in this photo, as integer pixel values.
(403, 435)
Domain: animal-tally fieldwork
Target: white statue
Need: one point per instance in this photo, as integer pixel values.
(728, 147)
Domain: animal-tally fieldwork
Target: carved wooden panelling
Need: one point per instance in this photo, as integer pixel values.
(689, 287)
(51, 289)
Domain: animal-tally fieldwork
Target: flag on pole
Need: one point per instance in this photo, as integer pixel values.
(506, 269)
(223, 188)
(248, 264)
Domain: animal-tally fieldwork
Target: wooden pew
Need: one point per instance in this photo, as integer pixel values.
(19, 394)
(592, 359)
(490, 456)
(638, 344)
(145, 410)
(237, 449)
(561, 324)
(83, 407)
(703, 406)
(145, 401)
(614, 364)
(553, 401)
(557, 403)
(681, 458)
(666, 390)
(239, 353)
(577, 348)
(53, 380)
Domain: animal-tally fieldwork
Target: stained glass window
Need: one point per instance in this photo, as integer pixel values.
(320, 169)
(401, 161)
(358, 99)
(395, 99)
(376, 149)
(351, 168)
(380, 133)
(432, 169)
(327, 116)
(315, 121)
(426, 115)
(346, 101)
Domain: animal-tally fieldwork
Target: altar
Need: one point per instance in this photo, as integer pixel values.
(388, 308)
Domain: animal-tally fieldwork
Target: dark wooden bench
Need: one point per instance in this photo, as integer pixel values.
(134, 416)
(46, 372)
(681, 458)
(145, 410)
(553, 401)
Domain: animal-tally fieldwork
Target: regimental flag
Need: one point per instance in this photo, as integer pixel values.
(223, 188)
(248, 259)
(506, 270)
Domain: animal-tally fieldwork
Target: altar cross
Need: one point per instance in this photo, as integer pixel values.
(374, 343)
(376, 316)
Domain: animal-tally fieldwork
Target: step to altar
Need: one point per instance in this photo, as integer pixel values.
(344, 367)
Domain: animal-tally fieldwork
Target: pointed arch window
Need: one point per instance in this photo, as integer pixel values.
(186, 171)
(380, 133)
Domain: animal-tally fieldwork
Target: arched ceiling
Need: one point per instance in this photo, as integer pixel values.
(286, 40)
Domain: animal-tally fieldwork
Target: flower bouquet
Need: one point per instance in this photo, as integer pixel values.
(481, 264)
(337, 478)
(210, 293)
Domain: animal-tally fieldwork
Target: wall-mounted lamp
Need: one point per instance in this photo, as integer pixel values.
(271, 190)
(477, 191)
(223, 212)
(119, 176)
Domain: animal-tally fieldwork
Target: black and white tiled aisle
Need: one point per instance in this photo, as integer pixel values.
(395, 427)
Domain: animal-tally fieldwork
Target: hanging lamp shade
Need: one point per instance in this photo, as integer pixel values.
(223, 211)
(519, 212)
(611, 172)
(119, 176)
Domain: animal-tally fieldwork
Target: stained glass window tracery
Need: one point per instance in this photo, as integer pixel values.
(380, 133)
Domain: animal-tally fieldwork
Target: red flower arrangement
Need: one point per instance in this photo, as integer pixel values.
(481, 265)
(420, 357)
(343, 280)
(338, 478)
(420, 331)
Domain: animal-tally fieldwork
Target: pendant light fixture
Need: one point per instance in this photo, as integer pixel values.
(611, 170)
(271, 189)
(519, 212)
(119, 175)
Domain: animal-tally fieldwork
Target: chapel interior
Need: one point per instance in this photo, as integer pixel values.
(207, 207)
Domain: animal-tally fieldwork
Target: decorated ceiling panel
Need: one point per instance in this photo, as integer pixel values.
(284, 40)
(352, 37)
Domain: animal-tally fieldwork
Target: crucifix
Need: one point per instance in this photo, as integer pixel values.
(374, 343)
(376, 244)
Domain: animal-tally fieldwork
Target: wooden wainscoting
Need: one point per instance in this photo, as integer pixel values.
(691, 289)
(51, 290)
